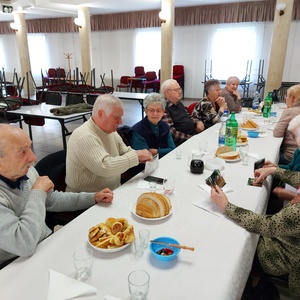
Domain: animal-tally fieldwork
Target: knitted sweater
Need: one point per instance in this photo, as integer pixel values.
(96, 160)
(23, 211)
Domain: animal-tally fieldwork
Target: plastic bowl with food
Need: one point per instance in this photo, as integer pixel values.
(164, 252)
(253, 134)
(214, 163)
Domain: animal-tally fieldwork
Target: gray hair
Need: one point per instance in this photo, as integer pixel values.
(166, 85)
(231, 79)
(107, 102)
(154, 98)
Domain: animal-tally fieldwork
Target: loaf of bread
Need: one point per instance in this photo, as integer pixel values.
(153, 205)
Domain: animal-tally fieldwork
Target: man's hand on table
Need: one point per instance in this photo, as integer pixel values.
(105, 195)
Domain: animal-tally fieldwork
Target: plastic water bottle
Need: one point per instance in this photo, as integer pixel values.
(267, 105)
(255, 102)
(222, 129)
(231, 131)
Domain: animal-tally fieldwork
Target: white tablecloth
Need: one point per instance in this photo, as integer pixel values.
(217, 269)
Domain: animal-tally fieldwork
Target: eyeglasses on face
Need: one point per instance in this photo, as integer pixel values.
(176, 90)
(152, 110)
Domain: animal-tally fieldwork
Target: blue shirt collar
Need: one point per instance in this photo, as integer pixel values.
(14, 184)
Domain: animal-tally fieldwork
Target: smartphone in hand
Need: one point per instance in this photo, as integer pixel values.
(259, 164)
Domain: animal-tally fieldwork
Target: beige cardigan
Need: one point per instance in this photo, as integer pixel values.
(289, 144)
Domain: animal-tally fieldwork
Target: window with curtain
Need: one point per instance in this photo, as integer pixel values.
(148, 49)
(233, 51)
(38, 53)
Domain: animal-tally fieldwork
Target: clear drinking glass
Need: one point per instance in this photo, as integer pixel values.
(244, 150)
(83, 262)
(138, 284)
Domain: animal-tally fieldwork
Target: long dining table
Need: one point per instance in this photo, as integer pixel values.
(217, 269)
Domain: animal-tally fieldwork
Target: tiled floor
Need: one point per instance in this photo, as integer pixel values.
(47, 139)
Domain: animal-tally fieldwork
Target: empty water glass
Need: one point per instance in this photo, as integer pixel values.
(139, 246)
(145, 233)
(138, 283)
(169, 186)
(83, 262)
(244, 154)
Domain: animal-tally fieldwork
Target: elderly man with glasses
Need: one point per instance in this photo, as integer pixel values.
(182, 126)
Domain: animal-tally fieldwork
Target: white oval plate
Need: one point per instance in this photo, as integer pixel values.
(233, 160)
(149, 219)
(112, 250)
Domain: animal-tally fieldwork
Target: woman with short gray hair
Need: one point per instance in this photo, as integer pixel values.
(151, 133)
(232, 95)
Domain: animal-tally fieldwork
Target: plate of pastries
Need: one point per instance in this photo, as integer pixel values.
(152, 206)
(249, 125)
(114, 235)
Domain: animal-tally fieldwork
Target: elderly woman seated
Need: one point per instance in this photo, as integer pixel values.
(210, 109)
(151, 133)
(231, 94)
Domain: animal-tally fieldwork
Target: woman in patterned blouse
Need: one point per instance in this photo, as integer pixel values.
(278, 248)
(210, 108)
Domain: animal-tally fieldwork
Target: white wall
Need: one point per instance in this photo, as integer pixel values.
(114, 50)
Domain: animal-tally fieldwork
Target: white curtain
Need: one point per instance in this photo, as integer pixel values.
(117, 51)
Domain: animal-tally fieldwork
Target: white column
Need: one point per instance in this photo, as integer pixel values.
(85, 40)
(279, 43)
(167, 9)
(22, 42)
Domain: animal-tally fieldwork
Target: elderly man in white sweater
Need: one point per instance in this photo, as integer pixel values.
(96, 154)
(25, 197)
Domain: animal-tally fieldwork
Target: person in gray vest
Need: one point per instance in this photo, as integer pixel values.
(182, 126)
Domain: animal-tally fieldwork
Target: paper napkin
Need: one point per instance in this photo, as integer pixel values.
(206, 188)
(206, 204)
(62, 287)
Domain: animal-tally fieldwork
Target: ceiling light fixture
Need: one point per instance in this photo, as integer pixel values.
(78, 22)
(14, 26)
(162, 17)
(281, 7)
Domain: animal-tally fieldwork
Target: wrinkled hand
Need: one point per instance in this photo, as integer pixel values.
(218, 197)
(43, 183)
(144, 155)
(153, 151)
(222, 103)
(105, 195)
(262, 173)
(200, 126)
(237, 94)
(284, 194)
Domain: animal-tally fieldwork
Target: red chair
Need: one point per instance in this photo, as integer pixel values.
(191, 107)
(178, 75)
(137, 79)
(149, 83)
(124, 83)
(157, 83)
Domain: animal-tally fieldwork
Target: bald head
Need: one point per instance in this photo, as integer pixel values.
(9, 134)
